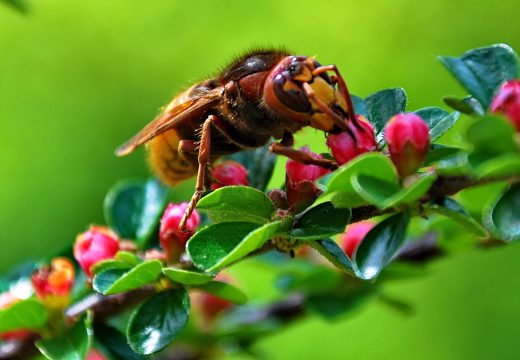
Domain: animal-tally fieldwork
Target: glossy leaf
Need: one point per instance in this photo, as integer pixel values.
(158, 321)
(24, 314)
(498, 166)
(360, 107)
(469, 105)
(441, 152)
(187, 277)
(384, 104)
(237, 203)
(482, 70)
(259, 164)
(224, 291)
(439, 121)
(492, 135)
(115, 343)
(452, 209)
(111, 264)
(332, 252)
(503, 218)
(73, 345)
(133, 208)
(213, 244)
(114, 281)
(319, 222)
(380, 245)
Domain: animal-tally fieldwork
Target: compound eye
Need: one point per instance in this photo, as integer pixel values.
(290, 94)
(295, 68)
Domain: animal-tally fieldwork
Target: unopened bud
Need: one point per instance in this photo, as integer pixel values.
(53, 284)
(97, 244)
(229, 173)
(346, 145)
(507, 101)
(408, 139)
(354, 234)
(172, 239)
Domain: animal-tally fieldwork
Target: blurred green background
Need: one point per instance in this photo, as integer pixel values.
(77, 78)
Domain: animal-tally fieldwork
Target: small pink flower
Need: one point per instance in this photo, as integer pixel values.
(507, 102)
(354, 234)
(345, 147)
(408, 139)
(172, 239)
(229, 173)
(301, 191)
(7, 299)
(53, 284)
(97, 244)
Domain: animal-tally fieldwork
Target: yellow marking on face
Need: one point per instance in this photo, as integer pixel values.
(323, 90)
(321, 121)
(306, 75)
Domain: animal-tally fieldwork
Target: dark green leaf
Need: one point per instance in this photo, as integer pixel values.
(259, 164)
(133, 208)
(114, 281)
(469, 105)
(380, 245)
(72, 346)
(158, 321)
(503, 218)
(237, 203)
(360, 107)
(439, 121)
(320, 221)
(187, 277)
(383, 105)
(319, 279)
(25, 314)
(452, 209)
(440, 152)
(491, 135)
(482, 70)
(224, 291)
(332, 252)
(115, 343)
(213, 244)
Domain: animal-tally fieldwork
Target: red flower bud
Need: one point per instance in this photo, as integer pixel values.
(507, 101)
(173, 240)
(408, 139)
(7, 299)
(346, 145)
(53, 284)
(94, 355)
(95, 245)
(354, 234)
(229, 173)
(301, 191)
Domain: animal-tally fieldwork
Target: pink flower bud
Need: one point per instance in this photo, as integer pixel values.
(173, 240)
(301, 191)
(408, 139)
(93, 354)
(97, 244)
(6, 300)
(346, 145)
(53, 284)
(354, 234)
(229, 173)
(507, 101)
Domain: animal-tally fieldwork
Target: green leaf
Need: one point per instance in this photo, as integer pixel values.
(133, 208)
(383, 105)
(259, 164)
(25, 314)
(224, 291)
(319, 222)
(452, 209)
(469, 105)
(376, 165)
(360, 107)
(315, 280)
(158, 321)
(491, 135)
(110, 264)
(187, 277)
(439, 121)
(380, 245)
(482, 70)
(222, 244)
(498, 166)
(332, 252)
(503, 217)
(212, 244)
(114, 281)
(441, 152)
(115, 343)
(72, 346)
(237, 203)
(128, 257)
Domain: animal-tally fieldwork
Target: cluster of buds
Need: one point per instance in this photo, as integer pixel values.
(8, 299)
(97, 244)
(229, 173)
(173, 240)
(507, 102)
(53, 284)
(354, 235)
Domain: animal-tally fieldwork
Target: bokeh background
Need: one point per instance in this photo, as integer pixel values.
(77, 78)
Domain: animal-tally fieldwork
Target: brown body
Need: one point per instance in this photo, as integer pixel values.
(262, 95)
